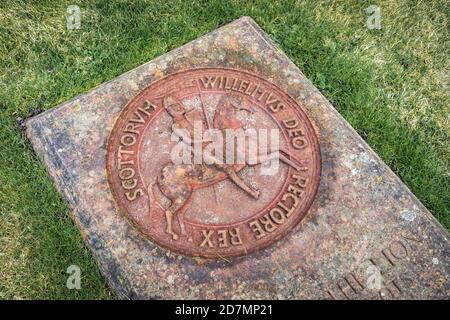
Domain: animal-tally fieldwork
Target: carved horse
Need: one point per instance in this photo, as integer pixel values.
(178, 181)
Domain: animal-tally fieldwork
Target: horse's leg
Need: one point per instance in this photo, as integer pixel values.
(177, 204)
(232, 175)
(180, 215)
(169, 219)
(173, 183)
(240, 183)
(178, 207)
(294, 163)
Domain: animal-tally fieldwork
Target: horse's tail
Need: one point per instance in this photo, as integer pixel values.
(151, 198)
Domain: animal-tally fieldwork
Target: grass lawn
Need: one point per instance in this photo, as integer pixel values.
(390, 84)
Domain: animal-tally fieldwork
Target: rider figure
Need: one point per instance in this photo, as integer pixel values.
(183, 125)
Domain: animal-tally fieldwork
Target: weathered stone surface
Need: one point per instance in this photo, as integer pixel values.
(364, 225)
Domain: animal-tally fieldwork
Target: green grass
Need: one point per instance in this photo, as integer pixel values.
(390, 84)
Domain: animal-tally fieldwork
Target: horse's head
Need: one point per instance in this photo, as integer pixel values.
(226, 116)
(238, 103)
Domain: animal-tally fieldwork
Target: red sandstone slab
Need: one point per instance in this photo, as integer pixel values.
(365, 235)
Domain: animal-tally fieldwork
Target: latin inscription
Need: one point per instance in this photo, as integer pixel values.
(275, 217)
(368, 279)
(126, 166)
(281, 212)
(222, 238)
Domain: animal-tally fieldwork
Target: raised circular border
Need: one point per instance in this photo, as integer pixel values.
(296, 108)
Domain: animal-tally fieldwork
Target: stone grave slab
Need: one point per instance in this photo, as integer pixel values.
(338, 224)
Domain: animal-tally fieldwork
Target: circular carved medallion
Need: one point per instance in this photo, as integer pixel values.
(213, 162)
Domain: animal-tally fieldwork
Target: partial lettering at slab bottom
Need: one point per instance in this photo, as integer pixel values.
(213, 162)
